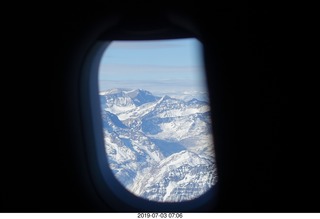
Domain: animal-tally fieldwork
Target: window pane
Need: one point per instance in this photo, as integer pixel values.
(156, 118)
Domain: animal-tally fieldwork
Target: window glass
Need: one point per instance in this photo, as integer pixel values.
(156, 118)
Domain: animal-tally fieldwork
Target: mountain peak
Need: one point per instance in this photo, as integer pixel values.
(165, 97)
(136, 92)
(140, 96)
(193, 100)
(196, 101)
(113, 91)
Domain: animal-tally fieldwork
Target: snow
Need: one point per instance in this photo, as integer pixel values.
(136, 112)
(120, 109)
(138, 126)
(183, 112)
(121, 153)
(172, 185)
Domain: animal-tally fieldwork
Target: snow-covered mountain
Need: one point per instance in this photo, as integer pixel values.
(159, 148)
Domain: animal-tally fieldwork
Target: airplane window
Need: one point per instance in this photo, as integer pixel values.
(156, 118)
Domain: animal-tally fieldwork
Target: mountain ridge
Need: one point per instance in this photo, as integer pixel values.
(159, 148)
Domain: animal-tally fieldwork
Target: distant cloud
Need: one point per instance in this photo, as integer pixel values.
(176, 89)
(164, 86)
(127, 69)
(177, 71)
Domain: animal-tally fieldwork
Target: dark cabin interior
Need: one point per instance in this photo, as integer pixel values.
(260, 153)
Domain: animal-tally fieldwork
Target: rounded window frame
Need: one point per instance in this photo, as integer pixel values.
(110, 190)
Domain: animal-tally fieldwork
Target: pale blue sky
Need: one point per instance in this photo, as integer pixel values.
(160, 66)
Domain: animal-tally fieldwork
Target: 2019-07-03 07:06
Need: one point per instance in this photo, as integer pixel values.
(160, 215)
